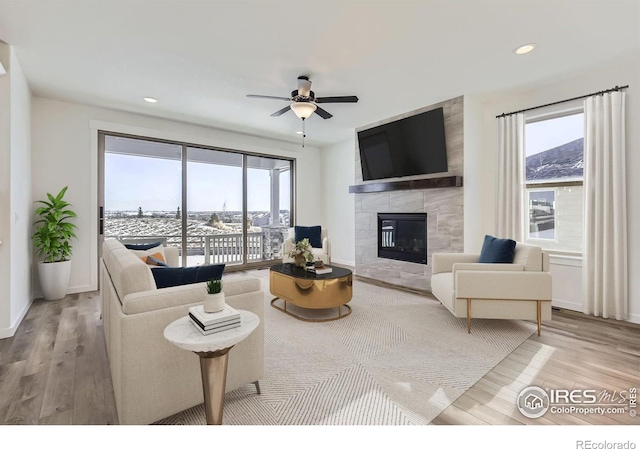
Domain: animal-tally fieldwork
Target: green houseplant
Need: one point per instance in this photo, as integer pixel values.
(214, 299)
(51, 239)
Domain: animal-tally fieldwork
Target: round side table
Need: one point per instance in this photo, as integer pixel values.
(213, 350)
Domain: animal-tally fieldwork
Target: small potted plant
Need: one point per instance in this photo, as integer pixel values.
(214, 299)
(53, 233)
(301, 254)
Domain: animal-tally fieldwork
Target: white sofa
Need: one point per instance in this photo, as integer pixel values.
(521, 290)
(323, 253)
(152, 378)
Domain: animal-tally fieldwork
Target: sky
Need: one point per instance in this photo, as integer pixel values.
(155, 185)
(547, 134)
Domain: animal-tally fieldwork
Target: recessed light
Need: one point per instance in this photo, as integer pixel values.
(150, 100)
(298, 132)
(524, 49)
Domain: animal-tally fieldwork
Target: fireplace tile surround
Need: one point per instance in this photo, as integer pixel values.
(444, 208)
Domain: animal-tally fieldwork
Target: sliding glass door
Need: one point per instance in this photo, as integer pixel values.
(216, 206)
(142, 191)
(268, 206)
(214, 199)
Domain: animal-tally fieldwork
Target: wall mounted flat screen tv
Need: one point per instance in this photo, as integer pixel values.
(410, 146)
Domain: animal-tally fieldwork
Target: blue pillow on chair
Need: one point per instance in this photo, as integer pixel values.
(171, 277)
(312, 233)
(497, 250)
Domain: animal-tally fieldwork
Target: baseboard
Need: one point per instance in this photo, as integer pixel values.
(426, 293)
(346, 263)
(37, 293)
(634, 318)
(10, 332)
(566, 305)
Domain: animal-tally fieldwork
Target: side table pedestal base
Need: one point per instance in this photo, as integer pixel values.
(213, 368)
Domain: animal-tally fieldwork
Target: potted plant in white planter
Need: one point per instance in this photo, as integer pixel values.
(53, 232)
(214, 299)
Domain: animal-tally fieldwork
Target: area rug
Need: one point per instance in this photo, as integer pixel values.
(398, 359)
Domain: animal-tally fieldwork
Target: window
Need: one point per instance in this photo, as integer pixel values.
(214, 205)
(554, 173)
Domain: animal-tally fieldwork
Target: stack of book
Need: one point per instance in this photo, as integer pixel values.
(211, 323)
(319, 270)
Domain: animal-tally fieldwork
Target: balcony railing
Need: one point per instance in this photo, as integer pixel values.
(216, 248)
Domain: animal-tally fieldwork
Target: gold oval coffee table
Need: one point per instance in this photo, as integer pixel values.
(311, 291)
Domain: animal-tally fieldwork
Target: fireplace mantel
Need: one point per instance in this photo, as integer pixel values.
(414, 184)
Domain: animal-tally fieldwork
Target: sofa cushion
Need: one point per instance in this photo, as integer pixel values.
(496, 250)
(236, 290)
(172, 277)
(158, 249)
(142, 246)
(308, 232)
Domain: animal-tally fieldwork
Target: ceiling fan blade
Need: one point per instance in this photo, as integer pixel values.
(322, 113)
(304, 86)
(281, 111)
(346, 99)
(269, 97)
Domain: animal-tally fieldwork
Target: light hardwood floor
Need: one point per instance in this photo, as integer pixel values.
(54, 370)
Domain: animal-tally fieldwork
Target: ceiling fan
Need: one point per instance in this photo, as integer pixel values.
(304, 101)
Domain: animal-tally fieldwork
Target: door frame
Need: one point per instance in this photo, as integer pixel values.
(102, 133)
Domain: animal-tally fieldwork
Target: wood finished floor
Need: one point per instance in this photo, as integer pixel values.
(54, 370)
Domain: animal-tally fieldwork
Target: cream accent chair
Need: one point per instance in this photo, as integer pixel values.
(517, 291)
(323, 253)
(152, 378)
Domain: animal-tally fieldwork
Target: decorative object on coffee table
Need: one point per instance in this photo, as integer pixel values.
(301, 253)
(214, 299)
(53, 233)
(213, 350)
(307, 290)
(317, 235)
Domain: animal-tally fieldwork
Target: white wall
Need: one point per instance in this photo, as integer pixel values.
(64, 138)
(476, 219)
(15, 194)
(480, 126)
(5, 195)
(21, 205)
(338, 167)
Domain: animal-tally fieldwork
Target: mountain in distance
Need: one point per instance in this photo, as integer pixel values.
(564, 161)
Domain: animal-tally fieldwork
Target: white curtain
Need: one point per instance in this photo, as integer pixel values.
(605, 239)
(510, 177)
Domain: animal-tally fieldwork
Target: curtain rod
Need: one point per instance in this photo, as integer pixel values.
(615, 89)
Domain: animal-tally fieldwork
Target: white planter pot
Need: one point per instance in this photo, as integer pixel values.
(214, 302)
(54, 279)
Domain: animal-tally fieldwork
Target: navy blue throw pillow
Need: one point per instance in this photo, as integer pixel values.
(308, 232)
(142, 246)
(497, 250)
(171, 277)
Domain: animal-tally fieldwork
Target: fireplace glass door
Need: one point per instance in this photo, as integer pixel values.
(403, 237)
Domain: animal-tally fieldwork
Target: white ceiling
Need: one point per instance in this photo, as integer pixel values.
(201, 59)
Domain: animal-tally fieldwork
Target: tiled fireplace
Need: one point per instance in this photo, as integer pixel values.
(443, 207)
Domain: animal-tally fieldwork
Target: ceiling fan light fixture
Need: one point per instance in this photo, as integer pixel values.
(303, 109)
(524, 49)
